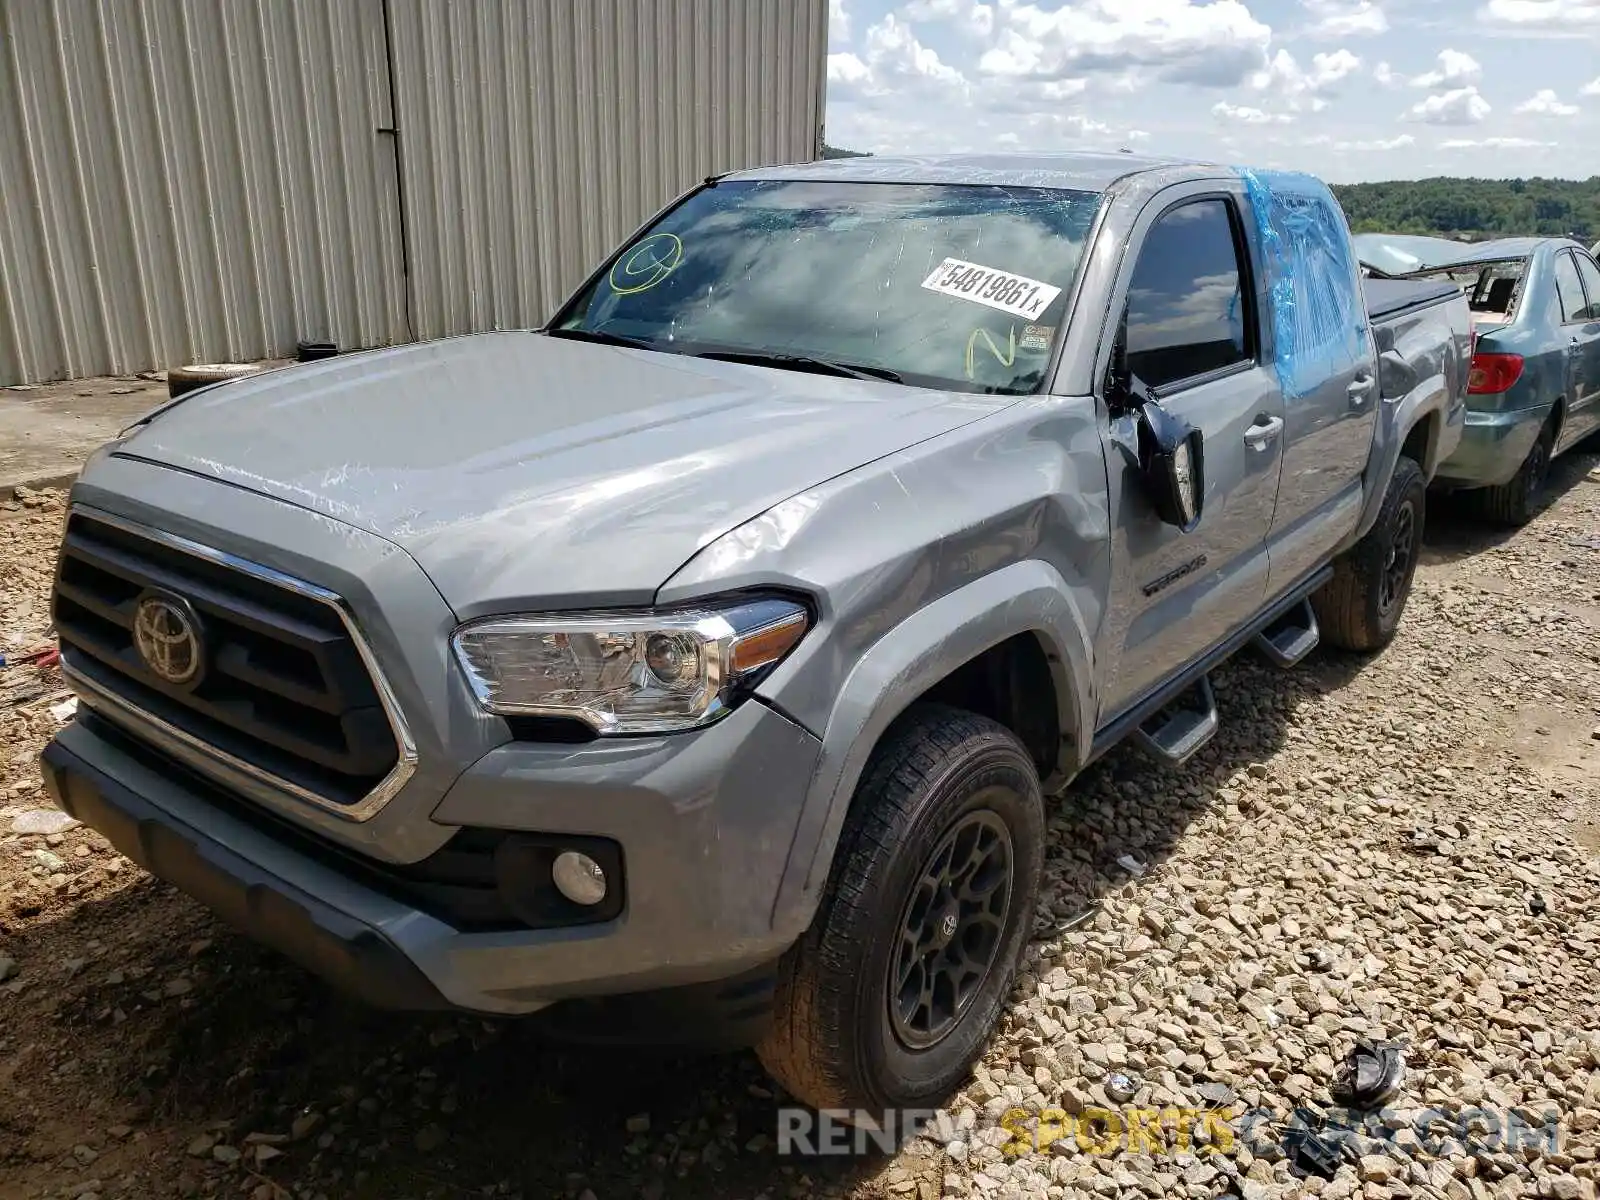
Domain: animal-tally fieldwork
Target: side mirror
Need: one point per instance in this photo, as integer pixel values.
(1172, 462)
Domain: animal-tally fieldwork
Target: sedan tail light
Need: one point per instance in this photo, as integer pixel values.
(1493, 373)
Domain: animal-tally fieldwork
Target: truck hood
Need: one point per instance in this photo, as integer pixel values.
(524, 470)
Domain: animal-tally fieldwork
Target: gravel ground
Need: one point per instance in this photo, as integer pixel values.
(1400, 848)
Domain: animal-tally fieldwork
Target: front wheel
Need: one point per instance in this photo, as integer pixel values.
(1361, 606)
(889, 998)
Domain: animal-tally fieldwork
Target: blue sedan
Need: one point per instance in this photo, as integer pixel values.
(1534, 391)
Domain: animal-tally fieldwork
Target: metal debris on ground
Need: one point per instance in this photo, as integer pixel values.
(1370, 1075)
(1313, 1149)
(1120, 1088)
(1079, 918)
(47, 655)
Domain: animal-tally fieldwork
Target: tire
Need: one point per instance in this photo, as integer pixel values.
(1516, 503)
(840, 1038)
(1361, 606)
(183, 380)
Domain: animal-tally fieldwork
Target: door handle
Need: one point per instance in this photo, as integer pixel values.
(1359, 390)
(1263, 433)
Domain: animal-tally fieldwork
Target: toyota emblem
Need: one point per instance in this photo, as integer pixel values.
(166, 633)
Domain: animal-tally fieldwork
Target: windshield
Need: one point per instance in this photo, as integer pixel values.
(960, 287)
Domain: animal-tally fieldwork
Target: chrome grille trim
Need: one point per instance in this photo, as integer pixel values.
(112, 706)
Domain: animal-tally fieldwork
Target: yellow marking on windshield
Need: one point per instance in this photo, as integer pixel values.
(1005, 358)
(647, 264)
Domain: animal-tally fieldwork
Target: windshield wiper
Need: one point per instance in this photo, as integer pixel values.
(603, 337)
(801, 362)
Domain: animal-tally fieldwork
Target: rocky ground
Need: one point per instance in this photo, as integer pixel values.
(1403, 848)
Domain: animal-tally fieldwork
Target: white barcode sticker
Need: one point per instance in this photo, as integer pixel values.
(1015, 294)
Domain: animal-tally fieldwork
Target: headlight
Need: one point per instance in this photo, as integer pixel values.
(626, 672)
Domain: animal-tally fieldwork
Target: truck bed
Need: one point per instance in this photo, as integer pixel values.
(1387, 298)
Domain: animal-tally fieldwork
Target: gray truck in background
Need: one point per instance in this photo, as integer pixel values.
(700, 663)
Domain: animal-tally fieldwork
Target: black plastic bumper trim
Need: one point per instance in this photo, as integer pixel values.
(340, 948)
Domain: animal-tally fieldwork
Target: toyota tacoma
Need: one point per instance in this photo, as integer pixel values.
(700, 663)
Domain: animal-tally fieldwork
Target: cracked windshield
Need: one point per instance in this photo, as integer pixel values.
(939, 286)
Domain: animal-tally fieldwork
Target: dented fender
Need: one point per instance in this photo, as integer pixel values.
(1027, 597)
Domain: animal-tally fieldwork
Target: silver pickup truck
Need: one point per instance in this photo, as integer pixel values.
(698, 665)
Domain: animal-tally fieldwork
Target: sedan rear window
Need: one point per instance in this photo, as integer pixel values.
(956, 287)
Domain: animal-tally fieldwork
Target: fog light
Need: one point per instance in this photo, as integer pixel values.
(578, 877)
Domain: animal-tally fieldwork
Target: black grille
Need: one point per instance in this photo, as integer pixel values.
(283, 688)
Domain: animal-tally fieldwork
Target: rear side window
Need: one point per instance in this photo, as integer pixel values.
(1569, 290)
(1591, 285)
(1186, 314)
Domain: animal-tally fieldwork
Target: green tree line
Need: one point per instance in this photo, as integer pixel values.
(1471, 209)
(1475, 209)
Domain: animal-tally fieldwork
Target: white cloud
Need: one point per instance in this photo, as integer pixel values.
(1542, 13)
(1061, 89)
(1494, 143)
(1298, 88)
(1463, 106)
(971, 15)
(1086, 125)
(892, 61)
(1138, 135)
(847, 69)
(1386, 75)
(1545, 103)
(1247, 115)
(1377, 144)
(1215, 44)
(1590, 89)
(838, 23)
(1455, 66)
(1341, 19)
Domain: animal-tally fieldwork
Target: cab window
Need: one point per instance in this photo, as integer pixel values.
(1186, 314)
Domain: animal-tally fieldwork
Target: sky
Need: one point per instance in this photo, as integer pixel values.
(1349, 89)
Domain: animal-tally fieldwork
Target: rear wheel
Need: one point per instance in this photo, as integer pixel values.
(1361, 606)
(1516, 503)
(890, 996)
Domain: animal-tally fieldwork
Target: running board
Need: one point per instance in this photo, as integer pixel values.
(1176, 733)
(1291, 637)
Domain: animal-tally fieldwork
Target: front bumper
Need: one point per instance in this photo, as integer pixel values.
(704, 820)
(293, 914)
(1493, 447)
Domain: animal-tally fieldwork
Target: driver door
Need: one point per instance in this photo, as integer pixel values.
(1189, 330)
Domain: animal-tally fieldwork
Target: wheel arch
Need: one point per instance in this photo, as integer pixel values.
(1020, 624)
(1415, 422)
(1421, 443)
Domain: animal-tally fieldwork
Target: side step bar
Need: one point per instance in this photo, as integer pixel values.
(1291, 637)
(1176, 733)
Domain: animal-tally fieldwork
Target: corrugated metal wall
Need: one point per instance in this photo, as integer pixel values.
(536, 133)
(188, 180)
